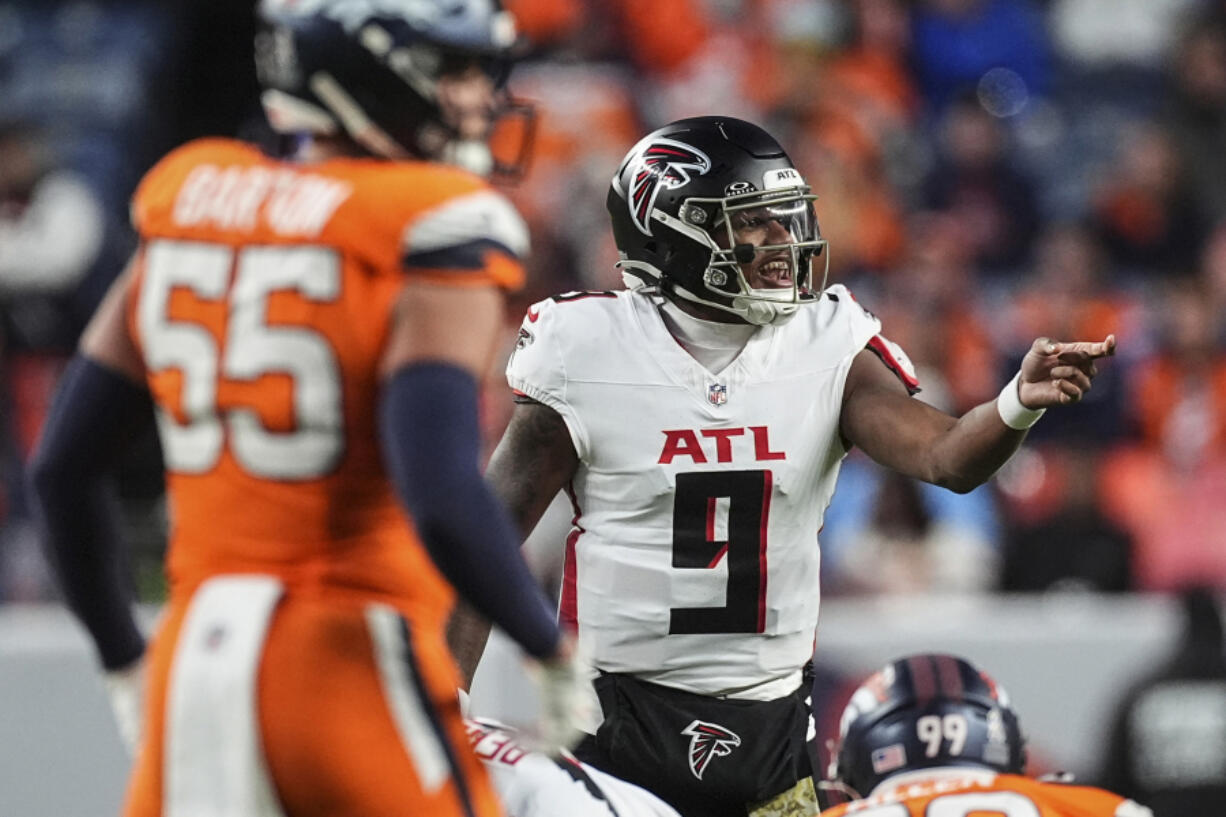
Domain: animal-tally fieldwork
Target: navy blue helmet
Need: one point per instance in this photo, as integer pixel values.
(369, 70)
(924, 711)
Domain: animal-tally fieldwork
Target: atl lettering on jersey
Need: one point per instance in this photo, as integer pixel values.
(695, 519)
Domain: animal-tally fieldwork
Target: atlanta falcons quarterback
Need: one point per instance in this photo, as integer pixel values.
(698, 420)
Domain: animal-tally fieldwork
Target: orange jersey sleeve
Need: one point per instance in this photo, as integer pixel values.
(978, 795)
(262, 306)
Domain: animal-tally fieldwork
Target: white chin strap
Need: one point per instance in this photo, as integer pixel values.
(767, 307)
(763, 310)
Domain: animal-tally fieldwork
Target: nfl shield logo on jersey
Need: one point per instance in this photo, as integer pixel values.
(717, 394)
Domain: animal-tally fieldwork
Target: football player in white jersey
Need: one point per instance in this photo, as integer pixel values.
(698, 420)
(534, 784)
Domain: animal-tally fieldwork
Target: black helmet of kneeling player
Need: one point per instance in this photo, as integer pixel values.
(924, 711)
(686, 198)
(370, 71)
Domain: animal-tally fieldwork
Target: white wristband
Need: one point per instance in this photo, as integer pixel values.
(1009, 407)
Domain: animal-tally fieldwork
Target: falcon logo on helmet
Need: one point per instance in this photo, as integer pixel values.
(707, 741)
(662, 163)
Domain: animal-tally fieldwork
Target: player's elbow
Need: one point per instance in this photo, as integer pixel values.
(962, 486)
(959, 483)
(955, 473)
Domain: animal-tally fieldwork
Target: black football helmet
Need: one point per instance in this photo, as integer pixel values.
(675, 202)
(370, 70)
(923, 711)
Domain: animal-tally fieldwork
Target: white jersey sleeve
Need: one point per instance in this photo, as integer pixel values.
(537, 368)
(531, 784)
(858, 322)
(866, 329)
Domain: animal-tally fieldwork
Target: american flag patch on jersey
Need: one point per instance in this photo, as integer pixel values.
(889, 758)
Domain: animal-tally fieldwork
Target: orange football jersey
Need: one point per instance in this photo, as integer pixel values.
(261, 304)
(977, 793)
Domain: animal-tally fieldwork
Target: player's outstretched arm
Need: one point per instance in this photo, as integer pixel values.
(533, 461)
(101, 405)
(962, 453)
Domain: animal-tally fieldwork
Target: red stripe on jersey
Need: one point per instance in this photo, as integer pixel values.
(762, 527)
(568, 605)
(718, 556)
(711, 504)
(882, 349)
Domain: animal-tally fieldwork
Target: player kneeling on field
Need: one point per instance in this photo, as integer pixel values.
(932, 735)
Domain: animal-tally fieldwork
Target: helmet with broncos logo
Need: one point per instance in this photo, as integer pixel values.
(684, 201)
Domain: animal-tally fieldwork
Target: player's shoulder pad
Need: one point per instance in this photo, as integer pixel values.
(848, 308)
(896, 360)
(556, 332)
(838, 318)
(571, 319)
(1076, 797)
(457, 231)
(161, 182)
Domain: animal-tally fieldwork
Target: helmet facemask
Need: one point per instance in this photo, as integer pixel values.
(775, 228)
(495, 140)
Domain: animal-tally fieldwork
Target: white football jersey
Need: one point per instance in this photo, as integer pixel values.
(693, 557)
(531, 784)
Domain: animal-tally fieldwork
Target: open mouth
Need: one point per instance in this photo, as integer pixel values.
(775, 274)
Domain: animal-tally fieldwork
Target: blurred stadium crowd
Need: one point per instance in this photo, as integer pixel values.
(988, 171)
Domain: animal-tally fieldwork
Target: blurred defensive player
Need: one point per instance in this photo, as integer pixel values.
(698, 421)
(932, 735)
(311, 330)
(532, 784)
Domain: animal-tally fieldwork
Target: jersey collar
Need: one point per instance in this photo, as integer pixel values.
(687, 372)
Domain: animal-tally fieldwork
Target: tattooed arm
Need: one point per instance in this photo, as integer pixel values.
(533, 461)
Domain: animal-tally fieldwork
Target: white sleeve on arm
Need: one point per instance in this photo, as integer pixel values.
(864, 332)
(537, 368)
(858, 321)
(457, 233)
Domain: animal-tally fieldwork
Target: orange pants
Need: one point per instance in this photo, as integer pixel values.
(328, 729)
